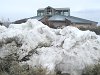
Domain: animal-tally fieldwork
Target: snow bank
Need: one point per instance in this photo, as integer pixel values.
(2, 28)
(68, 50)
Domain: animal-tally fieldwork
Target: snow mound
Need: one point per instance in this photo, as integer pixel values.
(2, 28)
(68, 50)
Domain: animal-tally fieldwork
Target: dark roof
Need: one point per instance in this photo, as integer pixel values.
(37, 17)
(25, 19)
(79, 20)
(21, 21)
(62, 8)
(70, 18)
(57, 18)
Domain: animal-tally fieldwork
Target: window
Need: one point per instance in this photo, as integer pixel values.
(66, 13)
(49, 11)
(62, 13)
(59, 13)
(40, 13)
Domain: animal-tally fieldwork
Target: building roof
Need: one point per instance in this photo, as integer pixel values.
(60, 18)
(21, 21)
(70, 18)
(37, 17)
(62, 8)
(57, 18)
(25, 19)
(79, 20)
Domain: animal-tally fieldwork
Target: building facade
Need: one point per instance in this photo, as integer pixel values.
(49, 11)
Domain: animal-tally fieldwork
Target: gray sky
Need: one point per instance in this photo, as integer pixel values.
(18, 9)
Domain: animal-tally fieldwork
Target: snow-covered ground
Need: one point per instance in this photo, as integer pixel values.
(68, 50)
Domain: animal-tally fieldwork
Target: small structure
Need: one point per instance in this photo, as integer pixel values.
(59, 18)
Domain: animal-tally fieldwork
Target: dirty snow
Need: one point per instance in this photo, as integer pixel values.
(68, 49)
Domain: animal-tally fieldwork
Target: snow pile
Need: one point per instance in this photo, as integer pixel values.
(68, 50)
(2, 28)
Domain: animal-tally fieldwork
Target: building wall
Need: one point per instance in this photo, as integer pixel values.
(57, 24)
(45, 20)
(84, 25)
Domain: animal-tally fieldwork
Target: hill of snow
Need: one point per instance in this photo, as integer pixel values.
(68, 50)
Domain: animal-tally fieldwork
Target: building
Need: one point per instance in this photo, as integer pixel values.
(59, 18)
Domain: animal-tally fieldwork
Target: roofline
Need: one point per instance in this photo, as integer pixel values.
(42, 9)
(62, 8)
(54, 8)
(56, 20)
(84, 19)
(38, 16)
(88, 21)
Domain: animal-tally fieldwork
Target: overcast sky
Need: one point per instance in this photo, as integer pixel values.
(18, 9)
